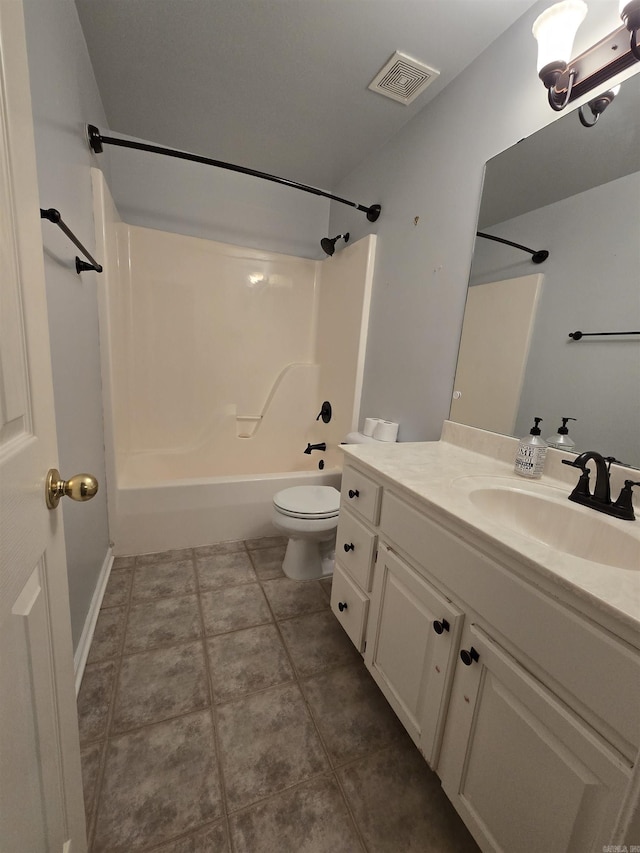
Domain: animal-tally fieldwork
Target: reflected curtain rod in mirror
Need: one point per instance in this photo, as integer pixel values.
(578, 335)
(97, 140)
(537, 257)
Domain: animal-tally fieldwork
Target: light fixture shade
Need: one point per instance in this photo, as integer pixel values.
(555, 29)
(630, 13)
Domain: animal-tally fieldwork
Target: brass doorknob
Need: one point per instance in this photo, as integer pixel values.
(81, 487)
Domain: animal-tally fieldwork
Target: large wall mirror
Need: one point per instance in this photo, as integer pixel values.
(575, 192)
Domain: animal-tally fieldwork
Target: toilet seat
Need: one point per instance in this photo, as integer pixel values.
(308, 502)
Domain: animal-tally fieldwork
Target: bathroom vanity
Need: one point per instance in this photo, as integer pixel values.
(512, 660)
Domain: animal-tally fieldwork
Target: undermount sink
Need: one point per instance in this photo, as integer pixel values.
(543, 513)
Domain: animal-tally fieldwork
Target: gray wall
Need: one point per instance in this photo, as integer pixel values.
(65, 97)
(433, 170)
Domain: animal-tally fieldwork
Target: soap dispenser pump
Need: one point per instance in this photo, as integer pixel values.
(531, 454)
(561, 440)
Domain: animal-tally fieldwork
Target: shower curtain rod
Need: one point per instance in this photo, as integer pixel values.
(97, 140)
(537, 256)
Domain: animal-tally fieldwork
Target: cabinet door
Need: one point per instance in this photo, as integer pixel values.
(523, 771)
(411, 662)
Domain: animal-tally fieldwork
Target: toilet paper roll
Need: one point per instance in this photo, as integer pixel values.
(386, 431)
(370, 424)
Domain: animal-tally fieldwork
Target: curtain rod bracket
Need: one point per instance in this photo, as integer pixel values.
(94, 138)
(97, 142)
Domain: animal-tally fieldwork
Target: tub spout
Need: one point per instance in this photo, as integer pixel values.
(310, 447)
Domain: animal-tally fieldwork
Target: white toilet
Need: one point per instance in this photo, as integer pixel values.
(308, 515)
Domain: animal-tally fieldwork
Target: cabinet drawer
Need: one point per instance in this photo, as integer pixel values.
(355, 606)
(360, 494)
(355, 548)
(406, 527)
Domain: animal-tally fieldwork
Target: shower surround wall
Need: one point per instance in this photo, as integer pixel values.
(216, 361)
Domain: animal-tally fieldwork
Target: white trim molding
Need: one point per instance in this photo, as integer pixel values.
(84, 644)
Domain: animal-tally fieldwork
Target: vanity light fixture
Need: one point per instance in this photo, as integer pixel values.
(567, 79)
(597, 106)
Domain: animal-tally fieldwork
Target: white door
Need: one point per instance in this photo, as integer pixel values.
(41, 805)
(496, 333)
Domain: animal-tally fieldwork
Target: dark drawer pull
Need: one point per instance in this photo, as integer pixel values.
(342, 605)
(468, 657)
(349, 547)
(354, 493)
(440, 626)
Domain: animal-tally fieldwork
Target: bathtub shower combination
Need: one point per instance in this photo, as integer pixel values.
(216, 361)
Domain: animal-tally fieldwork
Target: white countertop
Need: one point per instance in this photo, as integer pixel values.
(427, 471)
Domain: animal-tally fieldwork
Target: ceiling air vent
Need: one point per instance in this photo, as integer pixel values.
(403, 78)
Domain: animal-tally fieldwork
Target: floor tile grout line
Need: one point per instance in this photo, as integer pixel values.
(272, 795)
(304, 699)
(332, 766)
(118, 652)
(350, 811)
(183, 836)
(299, 686)
(91, 833)
(116, 735)
(213, 713)
(161, 648)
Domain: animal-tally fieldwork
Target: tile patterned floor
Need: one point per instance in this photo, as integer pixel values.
(224, 709)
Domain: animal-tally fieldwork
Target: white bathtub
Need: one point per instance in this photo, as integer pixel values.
(172, 513)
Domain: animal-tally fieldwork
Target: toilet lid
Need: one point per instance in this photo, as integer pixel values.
(308, 501)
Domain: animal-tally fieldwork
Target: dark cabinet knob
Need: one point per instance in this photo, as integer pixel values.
(440, 626)
(468, 657)
(342, 605)
(349, 547)
(354, 493)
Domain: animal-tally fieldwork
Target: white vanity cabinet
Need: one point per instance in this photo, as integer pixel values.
(527, 710)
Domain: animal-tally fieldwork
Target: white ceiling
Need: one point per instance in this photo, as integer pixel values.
(276, 85)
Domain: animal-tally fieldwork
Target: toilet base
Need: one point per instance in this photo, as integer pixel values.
(306, 559)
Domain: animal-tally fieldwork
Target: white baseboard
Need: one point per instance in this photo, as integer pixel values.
(84, 644)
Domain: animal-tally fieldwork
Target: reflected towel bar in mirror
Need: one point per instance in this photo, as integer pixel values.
(577, 335)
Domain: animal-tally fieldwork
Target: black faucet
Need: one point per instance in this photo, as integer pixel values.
(310, 447)
(600, 500)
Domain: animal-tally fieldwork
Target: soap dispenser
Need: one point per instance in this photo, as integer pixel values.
(561, 440)
(531, 454)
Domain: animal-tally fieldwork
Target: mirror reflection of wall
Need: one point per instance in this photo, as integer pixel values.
(575, 192)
